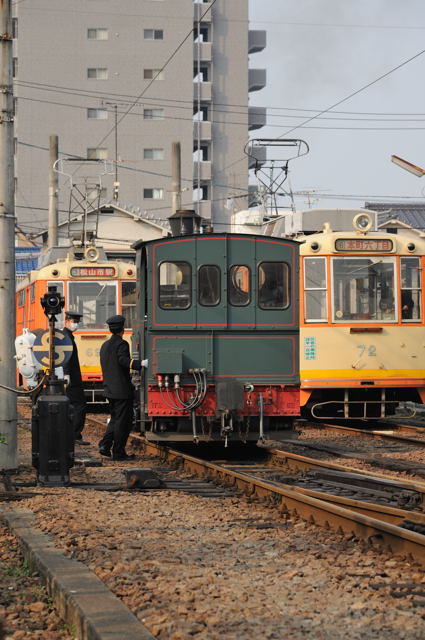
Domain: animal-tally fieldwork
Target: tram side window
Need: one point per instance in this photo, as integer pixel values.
(32, 292)
(128, 302)
(59, 288)
(175, 285)
(209, 285)
(273, 285)
(410, 289)
(21, 297)
(363, 289)
(96, 301)
(315, 290)
(239, 290)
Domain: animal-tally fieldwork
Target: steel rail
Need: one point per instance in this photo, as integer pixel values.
(331, 515)
(374, 433)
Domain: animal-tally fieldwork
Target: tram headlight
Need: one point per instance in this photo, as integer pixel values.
(362, 222)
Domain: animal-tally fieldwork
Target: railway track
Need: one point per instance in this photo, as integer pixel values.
(381, 525)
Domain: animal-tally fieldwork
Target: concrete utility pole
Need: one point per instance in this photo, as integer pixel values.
(52, 239)
(176, 188)
(7, 244)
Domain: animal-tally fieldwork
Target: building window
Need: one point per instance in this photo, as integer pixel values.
(153, 114)
(97, 114)
(97, 153)
(150, 74)
(97, 73)
(97, 34)
(14, 28)
(153, 154)
(15, 67)
(153, 34)
(175, 285)
(153, 194)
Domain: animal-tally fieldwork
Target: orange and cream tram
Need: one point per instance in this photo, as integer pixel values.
(93, 286)
(362, 333)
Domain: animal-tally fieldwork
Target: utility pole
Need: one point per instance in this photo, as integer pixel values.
(176, 188)
(52, 239)
(8, 459)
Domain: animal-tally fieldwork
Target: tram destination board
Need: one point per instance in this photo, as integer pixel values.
(364, 244)
(93, 272)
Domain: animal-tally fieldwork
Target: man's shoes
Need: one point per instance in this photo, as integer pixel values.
(81, 441)
(105, 452)
(123, 456)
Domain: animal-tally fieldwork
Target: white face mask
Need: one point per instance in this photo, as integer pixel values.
(73, 326)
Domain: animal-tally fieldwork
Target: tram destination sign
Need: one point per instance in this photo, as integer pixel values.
(363, 244)
(93, 272)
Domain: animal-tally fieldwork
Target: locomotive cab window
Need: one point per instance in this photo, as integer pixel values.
(410, 289)
(363, 289)
(273, 285)
(209, 285)
(239, 291)
(315, 290)
(175, 290)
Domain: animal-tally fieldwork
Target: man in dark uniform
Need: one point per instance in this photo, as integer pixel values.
(116, 364)
(75, 389)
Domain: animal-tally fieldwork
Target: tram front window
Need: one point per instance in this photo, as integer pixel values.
(96, 301)
(363, 289)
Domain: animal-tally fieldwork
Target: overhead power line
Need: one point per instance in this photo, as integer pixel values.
(165, 101)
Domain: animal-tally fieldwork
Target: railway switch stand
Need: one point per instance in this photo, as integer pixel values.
(52, 433)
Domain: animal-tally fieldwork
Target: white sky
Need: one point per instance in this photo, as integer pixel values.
(320, 51)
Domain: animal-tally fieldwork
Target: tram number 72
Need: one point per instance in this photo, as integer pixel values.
(367, 349)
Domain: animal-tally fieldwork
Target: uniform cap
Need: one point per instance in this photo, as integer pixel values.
(73, 315)
(115, 322)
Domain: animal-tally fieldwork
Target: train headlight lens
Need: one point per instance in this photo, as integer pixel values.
(362, 222)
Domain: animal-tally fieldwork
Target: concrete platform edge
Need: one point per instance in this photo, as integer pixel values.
(82, 600)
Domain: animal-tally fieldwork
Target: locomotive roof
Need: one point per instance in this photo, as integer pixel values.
(201, 236)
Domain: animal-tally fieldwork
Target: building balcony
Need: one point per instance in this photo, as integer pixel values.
(202, 51)
(258, 157)
(257, 117)
(257, 40)
(256, 79)
(201, 130)
(202, 170)
(199, 9)
(202, 91)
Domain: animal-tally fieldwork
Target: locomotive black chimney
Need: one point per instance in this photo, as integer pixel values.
(184, 222)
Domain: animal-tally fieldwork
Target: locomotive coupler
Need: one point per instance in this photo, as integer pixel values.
(226, 429)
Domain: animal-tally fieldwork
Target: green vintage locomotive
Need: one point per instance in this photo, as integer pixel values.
(217, 323)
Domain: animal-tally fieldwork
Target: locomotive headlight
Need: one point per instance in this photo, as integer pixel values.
(362, 222)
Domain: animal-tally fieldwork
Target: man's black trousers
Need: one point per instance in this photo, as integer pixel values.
(119, 427)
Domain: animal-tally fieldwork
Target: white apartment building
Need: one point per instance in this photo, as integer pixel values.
(122, 80)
